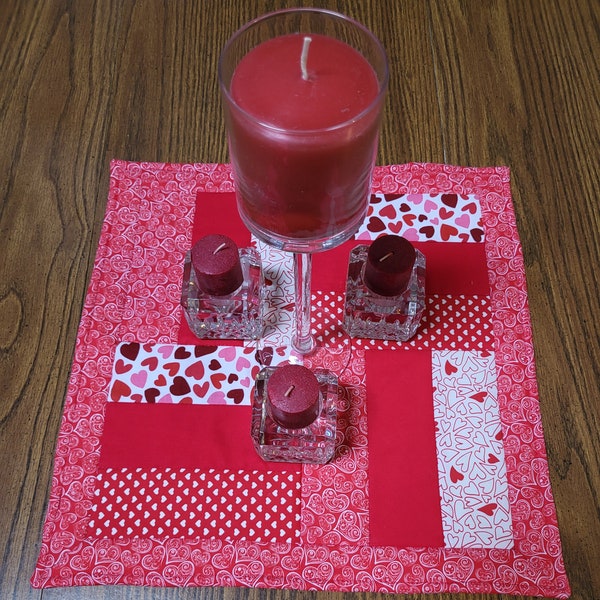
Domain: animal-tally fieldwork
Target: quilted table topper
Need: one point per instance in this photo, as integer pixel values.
(440, 478)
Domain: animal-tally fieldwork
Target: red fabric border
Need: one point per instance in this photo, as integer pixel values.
(119, 308)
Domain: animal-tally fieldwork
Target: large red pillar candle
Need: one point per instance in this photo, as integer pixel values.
(293, 392)
(303, 138)
(216, 262)
(268, 83)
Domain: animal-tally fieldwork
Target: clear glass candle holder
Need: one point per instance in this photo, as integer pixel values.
(368, 314)
(238, 315)
(303, 93)
(313, 443)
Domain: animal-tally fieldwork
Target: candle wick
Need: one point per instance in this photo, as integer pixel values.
(289, 391)
(304, 57)
(219, 248)
(385, 257)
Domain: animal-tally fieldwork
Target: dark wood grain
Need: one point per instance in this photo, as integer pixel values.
(512, 82)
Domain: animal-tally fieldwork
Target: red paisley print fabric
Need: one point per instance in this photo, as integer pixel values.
(155, 480)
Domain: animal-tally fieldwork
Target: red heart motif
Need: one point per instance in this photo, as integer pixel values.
(492, 459)
(455, 475)
(450, 368)
(389, 197)
(395, 227)
(137, 397)
(464, 237)
(409, 219)
(488, 509)
(195, 370)
(375, 224)
(405, 207)
(217, 379)
(151, 394)
(499, 435)
(172, 368)
(236, 395)
(121, 367)
(180, 386)
(427, 231)
(232, 377)
(181, 353)
(119, 389)
(388, 211)
(477, 234)
(447, 231)
(479, 396)
(445, 213)
(130, 350)
(264, 356)
(203, 350)
(450, 200)
(186, 400)
(471, 207)
(151, 362)
(200, 390)
(214, 364)
(160, 380)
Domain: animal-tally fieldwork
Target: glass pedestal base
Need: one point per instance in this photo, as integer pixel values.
(312, 444)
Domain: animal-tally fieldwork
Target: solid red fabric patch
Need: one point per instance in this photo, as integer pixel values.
(452, 268)
(404, 492)
(455, 268)
(180, 436)
(224, 217)
(330, 268)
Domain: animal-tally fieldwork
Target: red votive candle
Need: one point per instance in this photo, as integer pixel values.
(216, 262)
(293, 392)
(389, 265)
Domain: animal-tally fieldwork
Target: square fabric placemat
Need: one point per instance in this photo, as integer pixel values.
(440, 478)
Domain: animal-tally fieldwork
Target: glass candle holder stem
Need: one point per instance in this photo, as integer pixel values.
(302, 340)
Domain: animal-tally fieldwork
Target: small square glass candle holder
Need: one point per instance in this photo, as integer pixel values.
(368, 314)
(238, 315)
(313, 443)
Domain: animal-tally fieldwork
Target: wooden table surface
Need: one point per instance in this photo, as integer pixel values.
(481, 82)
